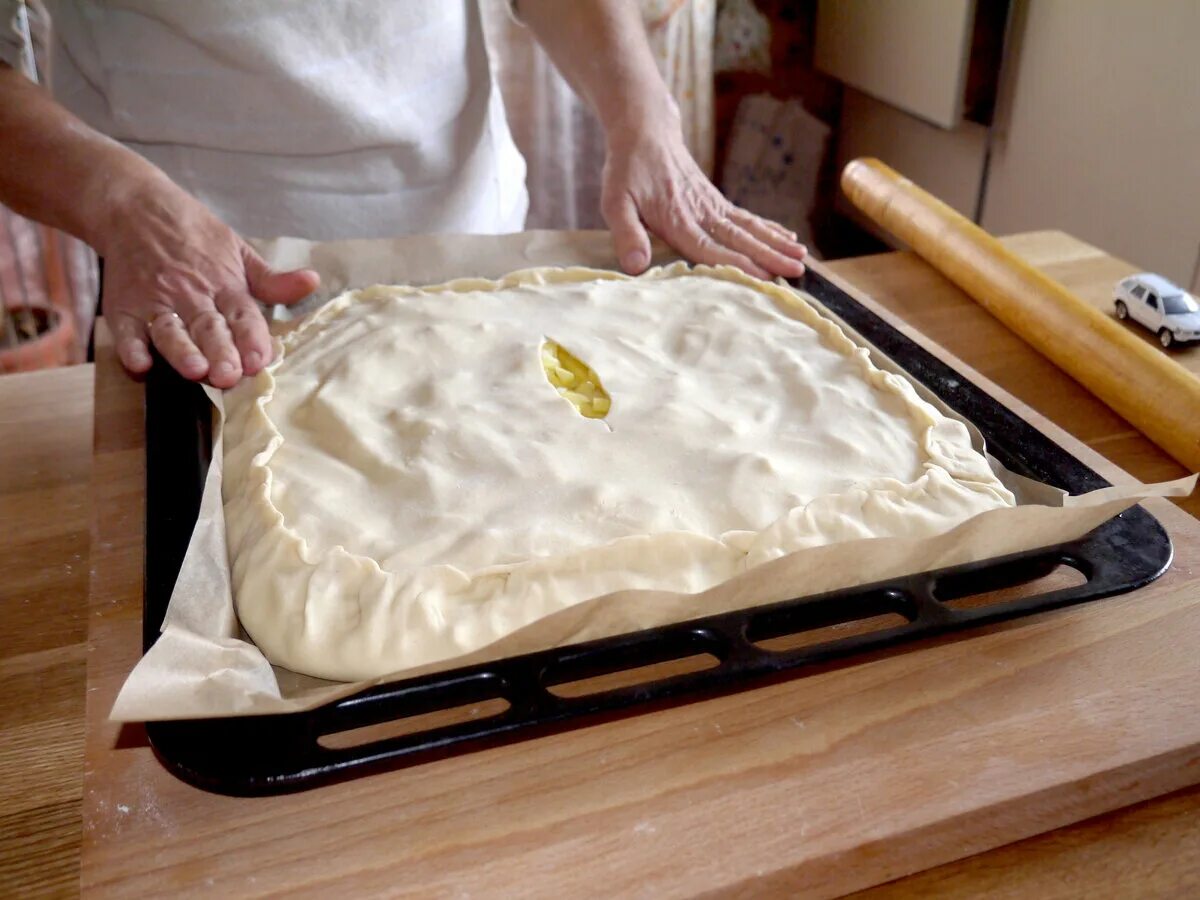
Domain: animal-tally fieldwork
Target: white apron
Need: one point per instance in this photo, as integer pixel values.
(320, 119)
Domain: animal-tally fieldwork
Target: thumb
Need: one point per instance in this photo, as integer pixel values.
(630, 241)
(270, 286)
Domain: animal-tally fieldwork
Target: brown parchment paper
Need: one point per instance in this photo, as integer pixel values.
(204, 665)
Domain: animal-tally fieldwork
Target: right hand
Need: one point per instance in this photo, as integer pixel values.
(177, 277)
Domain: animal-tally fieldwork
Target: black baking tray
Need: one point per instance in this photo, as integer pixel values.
(273, 754)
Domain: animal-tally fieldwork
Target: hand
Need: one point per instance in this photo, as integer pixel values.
(178, 277)
(651, 181)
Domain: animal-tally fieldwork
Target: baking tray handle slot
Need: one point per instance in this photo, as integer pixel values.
(635, 663)
(430, 702)
(830, 619)
(1039, 576)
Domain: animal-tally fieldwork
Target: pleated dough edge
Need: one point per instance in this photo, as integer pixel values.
(292, 630)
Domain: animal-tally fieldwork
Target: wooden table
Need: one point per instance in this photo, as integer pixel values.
(45, 514)
(767, 791)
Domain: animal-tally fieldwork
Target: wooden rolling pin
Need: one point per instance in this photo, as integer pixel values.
(1147, 388)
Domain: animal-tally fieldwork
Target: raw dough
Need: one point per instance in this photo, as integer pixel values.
(404, 485)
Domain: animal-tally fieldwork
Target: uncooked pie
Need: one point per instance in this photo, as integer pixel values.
(424, 470)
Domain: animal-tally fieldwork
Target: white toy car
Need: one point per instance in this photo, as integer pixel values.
(1167, 310)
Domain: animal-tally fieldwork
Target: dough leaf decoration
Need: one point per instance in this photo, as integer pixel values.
(574, 381)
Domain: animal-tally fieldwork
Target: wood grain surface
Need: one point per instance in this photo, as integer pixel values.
(929, 305)
(1148, 850)
(832, 783)
(1146, 387)
(45, 468)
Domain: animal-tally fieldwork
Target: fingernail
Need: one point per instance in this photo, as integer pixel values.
(223, 369)
(194, 362)
(635, 260)
(253, 359)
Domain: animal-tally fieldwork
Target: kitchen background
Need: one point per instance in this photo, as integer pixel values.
(1021, 114)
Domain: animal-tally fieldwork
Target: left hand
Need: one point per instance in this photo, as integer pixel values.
(652, 182)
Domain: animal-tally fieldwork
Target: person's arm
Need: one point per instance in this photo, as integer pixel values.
(650, 179)
(174, 274)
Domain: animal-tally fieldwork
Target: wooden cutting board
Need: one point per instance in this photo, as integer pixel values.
(826, 784)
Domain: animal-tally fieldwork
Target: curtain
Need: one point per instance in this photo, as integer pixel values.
(561, 140)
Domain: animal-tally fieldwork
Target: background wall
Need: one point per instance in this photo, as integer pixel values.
(947, 163)
(1096, 132)
(1099, 134)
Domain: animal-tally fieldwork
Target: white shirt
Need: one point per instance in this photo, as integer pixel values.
(319, 119)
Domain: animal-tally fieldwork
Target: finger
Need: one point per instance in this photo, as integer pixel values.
(250, 333)
(270, 286)
(171, 337)
(210, 332)
(771, 224)
(692, 241)
(737, 213)
(130, 334)
(630, 241)
(771, 233)
(738, 238)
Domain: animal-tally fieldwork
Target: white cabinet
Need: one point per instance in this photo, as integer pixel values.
(1096, 129)
(912, 54)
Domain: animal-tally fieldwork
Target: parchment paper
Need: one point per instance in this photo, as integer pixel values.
(204, 665)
